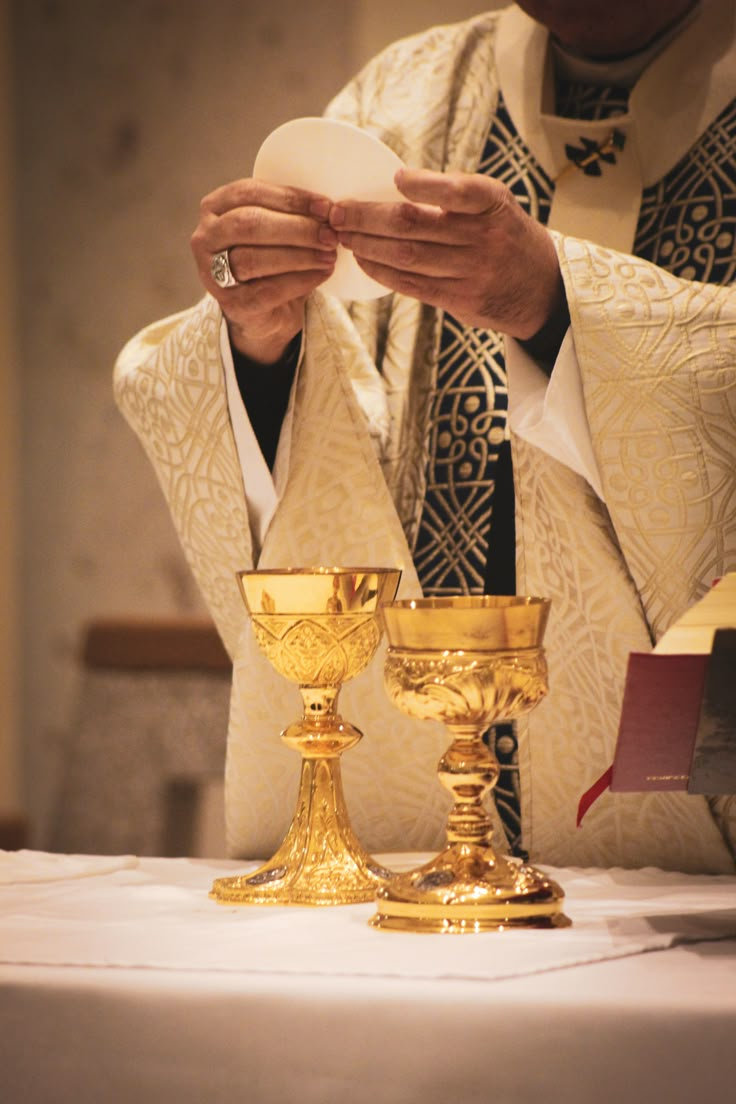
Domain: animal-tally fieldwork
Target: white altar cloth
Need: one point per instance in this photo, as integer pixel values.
(121, 981)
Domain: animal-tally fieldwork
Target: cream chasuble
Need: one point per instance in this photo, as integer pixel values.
(658, 362)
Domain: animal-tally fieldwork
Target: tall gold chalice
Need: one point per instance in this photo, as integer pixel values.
(469, 662)
(319, 627)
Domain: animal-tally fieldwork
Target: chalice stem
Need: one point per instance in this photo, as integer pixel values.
(321, 858)
(469, 770)
(320, 861)
(320, 832)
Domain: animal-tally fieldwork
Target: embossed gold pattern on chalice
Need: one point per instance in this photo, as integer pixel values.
(318, 627)
(469, 662)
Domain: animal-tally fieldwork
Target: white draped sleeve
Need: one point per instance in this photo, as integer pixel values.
(260, 492)
(550, 412)
(263, 488)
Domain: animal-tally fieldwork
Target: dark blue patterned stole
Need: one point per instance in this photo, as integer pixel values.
(465, 539)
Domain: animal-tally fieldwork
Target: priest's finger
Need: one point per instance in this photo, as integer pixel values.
(443, 292)
(405, 221)
(461, 193)
(435, 259)
(260, 226)
(263, 296)
(249, 192)
(252, 263)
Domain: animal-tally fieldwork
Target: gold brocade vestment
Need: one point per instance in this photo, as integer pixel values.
(658, 362)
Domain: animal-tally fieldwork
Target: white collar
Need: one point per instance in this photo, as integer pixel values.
(679, 94)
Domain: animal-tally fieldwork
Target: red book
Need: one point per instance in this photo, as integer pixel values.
(659, 721)
(677, 729)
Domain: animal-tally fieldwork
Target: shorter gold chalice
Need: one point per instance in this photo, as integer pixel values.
(319, 627)
(469, 662)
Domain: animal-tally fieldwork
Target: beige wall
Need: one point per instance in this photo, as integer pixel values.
(126, 114)
(10, 795)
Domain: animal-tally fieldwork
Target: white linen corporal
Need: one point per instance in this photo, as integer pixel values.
(26, 866)
(158, 915)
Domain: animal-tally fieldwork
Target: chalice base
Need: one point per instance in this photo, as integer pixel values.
(466, 889)
(320, 862)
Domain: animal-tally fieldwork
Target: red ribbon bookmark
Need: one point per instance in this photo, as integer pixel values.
(593, 794)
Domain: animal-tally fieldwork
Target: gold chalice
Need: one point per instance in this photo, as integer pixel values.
(469, 662)
(319, 627)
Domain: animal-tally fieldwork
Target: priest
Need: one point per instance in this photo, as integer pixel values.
(542, 402)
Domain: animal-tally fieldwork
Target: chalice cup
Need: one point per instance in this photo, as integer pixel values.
(318, 627)
(469, 662)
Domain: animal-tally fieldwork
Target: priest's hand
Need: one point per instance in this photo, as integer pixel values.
(279, 247)
(461, 242)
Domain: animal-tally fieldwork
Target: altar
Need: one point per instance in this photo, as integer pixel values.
(122, 980)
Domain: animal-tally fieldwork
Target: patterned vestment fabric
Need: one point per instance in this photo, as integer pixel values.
(687, 225)
(658, 402)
